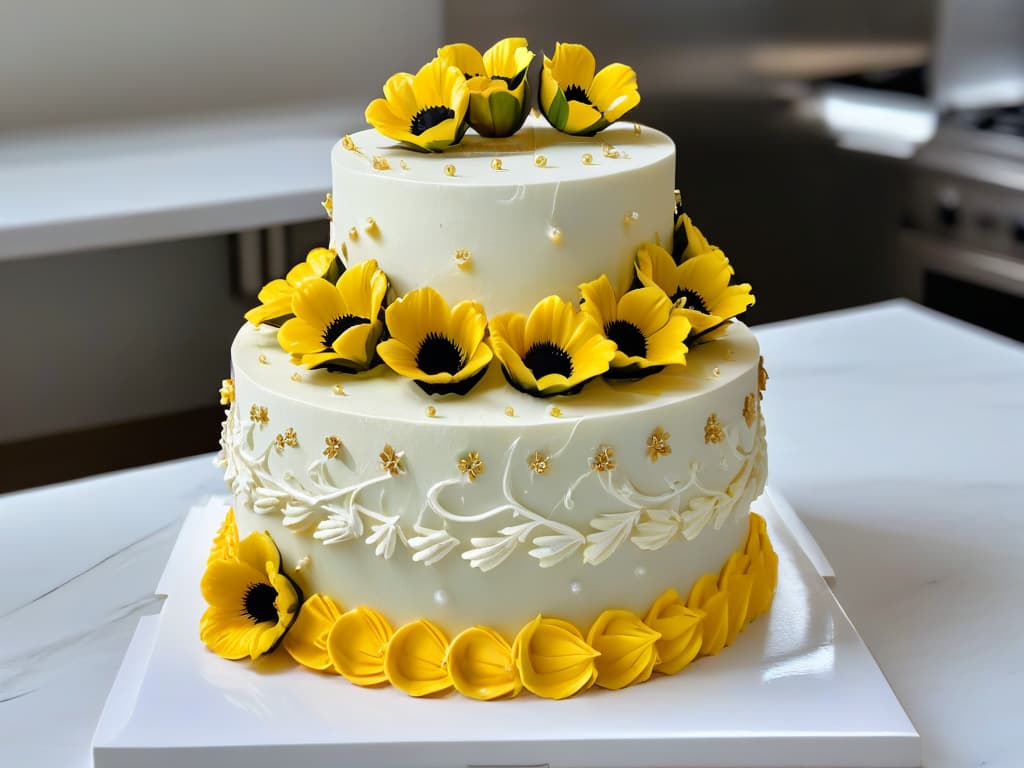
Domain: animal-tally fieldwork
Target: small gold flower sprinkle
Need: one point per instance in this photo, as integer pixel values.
(762, 375)
(496, 164)
(288, 439)
(449, 170)
(713, 432)
(347, 143)
(431, 411)
(555, 235)
(403, 165)
(540, 161)
(555, 411)
(602, 460)
(381, 163)
(371, 225)
(471, 465)
(463, 258)
(631, 217)
(588, 159)
(390, 461)
(279, 442)
(510, 411)
(334, 446)
(339, 390)
(227, 391)
(328, 205)
(657, 444)
(353, 233)
(609, 151)
(636, 128)
(296, 376)
(716, 371)
(263, 360)
(749, 409)
(258, 414)
(539, 462)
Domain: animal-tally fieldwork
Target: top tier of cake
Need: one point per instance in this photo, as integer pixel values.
(505, 222)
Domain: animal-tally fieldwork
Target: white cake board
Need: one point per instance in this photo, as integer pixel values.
(797, 688)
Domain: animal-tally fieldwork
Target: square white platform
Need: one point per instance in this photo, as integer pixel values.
(797, 688)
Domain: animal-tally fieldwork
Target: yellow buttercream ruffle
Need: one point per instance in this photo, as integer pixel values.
(306, 641)
(627, 647)
(553, 659)
(415, 659)
(681, 630)
(357, 645)
(481, 665)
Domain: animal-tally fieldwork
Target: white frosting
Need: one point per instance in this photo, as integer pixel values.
(506, 219)
(512, 543)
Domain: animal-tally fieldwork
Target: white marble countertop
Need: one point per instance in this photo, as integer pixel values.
(893, 431)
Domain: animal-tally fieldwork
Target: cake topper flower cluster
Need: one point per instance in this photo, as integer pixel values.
(490, 93)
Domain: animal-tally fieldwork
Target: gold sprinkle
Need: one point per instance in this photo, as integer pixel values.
(381, 163)
(463, 258)
(431, 411)
(588, 159)
(334, 446)
(609, 151)
(657, 444)
(540, 161)
(762, 375)
(390, 460)
(288, 439)
(296, 376)
(630, 217)
(555, 235)
(749, 409)
(636, 128)
(555, 411)
(471, 465)
(539, 462)
(403, 165)
(371, 225)
(510, 411)
(339, 389)
(347, 143)
(602, 460)
(496, 164)
(258, 414)
(328, 205)
(716, 371)
(713, 432)
(263, 360)
(353, 233)
(227, 391)
(534, 112)
(678, 197)
(449, 170)
(303, 563)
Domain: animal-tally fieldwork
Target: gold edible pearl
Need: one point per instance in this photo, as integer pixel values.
(496, 164)
(555, 411)
(609, 151)
(381, 163)
(636, 128)
(296, 377)
(353, 233)
(631, 217)
(555, 235)
(449, 170)
(716, 371)
(588, 159)
(339, 390)
(510, 411)
(371, 224)
(540, 161)
(431, 411)
(263, 360)
(347, 143)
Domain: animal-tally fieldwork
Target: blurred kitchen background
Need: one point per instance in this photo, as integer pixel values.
(160, 161)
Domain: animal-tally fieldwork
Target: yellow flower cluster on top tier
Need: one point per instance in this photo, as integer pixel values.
(254, 608)
(431, 110)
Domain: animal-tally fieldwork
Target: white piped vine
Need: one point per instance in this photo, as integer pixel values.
(344, 513)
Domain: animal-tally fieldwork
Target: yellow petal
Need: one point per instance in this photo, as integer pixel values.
(318, 303)
(655, 267)
(553, 659)
(705, 596)
(598, 300)
(298, 337)
(572, 64)
(306, 641)
(465, 57)
(319, 262)
(400, 96)
(549, 87)
(225, 543)
(225, 583)
(414, 662)
(357, 644)
(581, 117)
(481, 665)
(508, 340)
(481, 357)
(399, 358)
(383, 117)
(667, 347)
(467, 326)
(422, 311)
(591, 353)
(438, 84)
(737, 584)
(681, 631)
(227, 632)
(552, 320)
(507, 58)
(614, 91)
(356, 345)
(647, 308)
(696, 243)
(627, 647)
(257, 550)
(707, 274)
(362, 290)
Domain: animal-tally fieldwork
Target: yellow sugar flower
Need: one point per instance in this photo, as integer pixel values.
(648, 331)
(481, 665)
(705, 596)
(681, 630)
(577, 101)
(414, 661)
(554, 351)
(628, 649)
(439, 347)
(425, 111)
(276, 296)
(688, 241)
(499, 89)
(553, 659)
(225, 543)
(357, 644)
(252, 603)
(337, 326)
(306, 641)
(700, 286)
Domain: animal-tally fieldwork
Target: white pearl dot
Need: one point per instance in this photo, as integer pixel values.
(440, 597)
(639, 571)
(575, 587)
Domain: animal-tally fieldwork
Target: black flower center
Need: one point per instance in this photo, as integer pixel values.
(577, 93)
(545, 357)
(679, 244)
(428, 117)
(439, 354)
(259, 603)
(339, 325)
(629, 339)
(693, 300)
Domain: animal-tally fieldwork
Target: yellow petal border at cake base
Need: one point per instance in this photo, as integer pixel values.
(681, 631)
(553, 659)
(357, 644)
(705, 596)
(225, 543)
(626, 647)
(738, 584)
(306, 641)
(415, 659)
(481, 665)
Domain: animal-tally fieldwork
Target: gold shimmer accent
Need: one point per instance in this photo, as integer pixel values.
(371, 225)
(749, 409)
(334, 446)
(713, 432)
(555, 411)
(678, 197)
(762, 375)
(496, 164)
(403, 165)
(262, 359)
(631, 217)
(347, 143)
(227, 391)
(588, 159)
(288, 439)
(449, 170)
(353, 233)
(463, 258)
(390, 461)
(540, 161)
(636, 128)
(716, 371)
(609, 151)
(296, 376)
(471, 465)
(303, 563)
(328, 205)
(431, 411)
(510, 411)
(555, 235)
(539, 462)
(381, 163)
(258, 414)
(339, 390)
(657, 444)
(602, 460)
